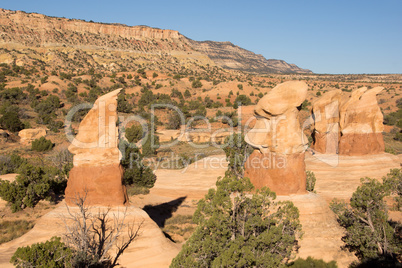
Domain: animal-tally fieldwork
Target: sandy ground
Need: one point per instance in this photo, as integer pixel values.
(183, 188)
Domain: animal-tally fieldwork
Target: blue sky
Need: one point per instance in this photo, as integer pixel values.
(325, 36)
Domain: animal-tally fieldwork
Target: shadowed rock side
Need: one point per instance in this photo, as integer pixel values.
(325, 112)
(278, 162)
(348, 126)
(97, 173)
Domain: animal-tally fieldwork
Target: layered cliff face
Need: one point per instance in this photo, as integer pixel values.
(227, 55)
(30, 30)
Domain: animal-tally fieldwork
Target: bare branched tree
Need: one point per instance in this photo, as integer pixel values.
(93, 235)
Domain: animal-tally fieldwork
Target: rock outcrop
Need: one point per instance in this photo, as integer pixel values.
(348, 126)
(30, 134)
(361, 122)
(278, 161)
(97, 173)
(325, 112)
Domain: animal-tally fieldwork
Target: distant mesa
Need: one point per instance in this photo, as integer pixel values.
(37, 30)
(278, 159)
(348, 126)
(97, 173)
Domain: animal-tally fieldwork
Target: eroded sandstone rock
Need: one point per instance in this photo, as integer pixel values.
(278, 162)
(348, 126)
(97, 173)
(325, 113)
(361, 122)
(30, 134)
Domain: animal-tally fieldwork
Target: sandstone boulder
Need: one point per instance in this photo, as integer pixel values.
(30, 134)
(278, 161)
(97, 173)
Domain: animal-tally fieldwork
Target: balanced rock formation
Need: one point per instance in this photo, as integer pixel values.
(97, 173)
(325, 112)
(278, 162)
(361, 122)
(30, 134)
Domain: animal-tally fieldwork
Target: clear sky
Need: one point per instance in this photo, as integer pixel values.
(338, 36)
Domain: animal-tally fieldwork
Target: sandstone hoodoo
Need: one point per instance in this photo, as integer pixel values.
(325, 112)
(278, 161)
(348, 126)
(97, 173)
(361, 123)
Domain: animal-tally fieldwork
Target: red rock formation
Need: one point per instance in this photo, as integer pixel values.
(283, 174)
(97, 174)
(361, 144)
(279, 161)
(99, 185)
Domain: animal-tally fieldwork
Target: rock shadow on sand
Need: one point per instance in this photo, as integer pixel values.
(160, 213)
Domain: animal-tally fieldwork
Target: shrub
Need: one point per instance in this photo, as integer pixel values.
(305, 105)
(240, 86)
(31, 186)
(369, 233)
(135, 173)
(42, 145)
(11, 121)
(123, 105)
(312, 263)
(10, 163)
(151, 145)
(310, 181)
(236, 152)
(196, 84)
(187, 94)
(134, 133)
(242, 100)
(13, 95)
(52, 253)
(236, 229)
(174, 121)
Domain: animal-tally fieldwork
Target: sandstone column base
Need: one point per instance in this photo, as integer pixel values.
(326, 143)
(99, 185)
(283, 174)
(361, 144)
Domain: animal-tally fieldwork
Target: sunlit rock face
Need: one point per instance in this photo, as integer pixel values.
(348, 125)
(97, 173)
(278, 161)
(361, 123)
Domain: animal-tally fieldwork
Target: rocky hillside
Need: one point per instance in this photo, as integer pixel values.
(70, 42)
(229, 56)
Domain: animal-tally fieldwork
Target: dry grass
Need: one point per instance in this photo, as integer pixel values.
(10, 230)
(392, 145)
(179, 227)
